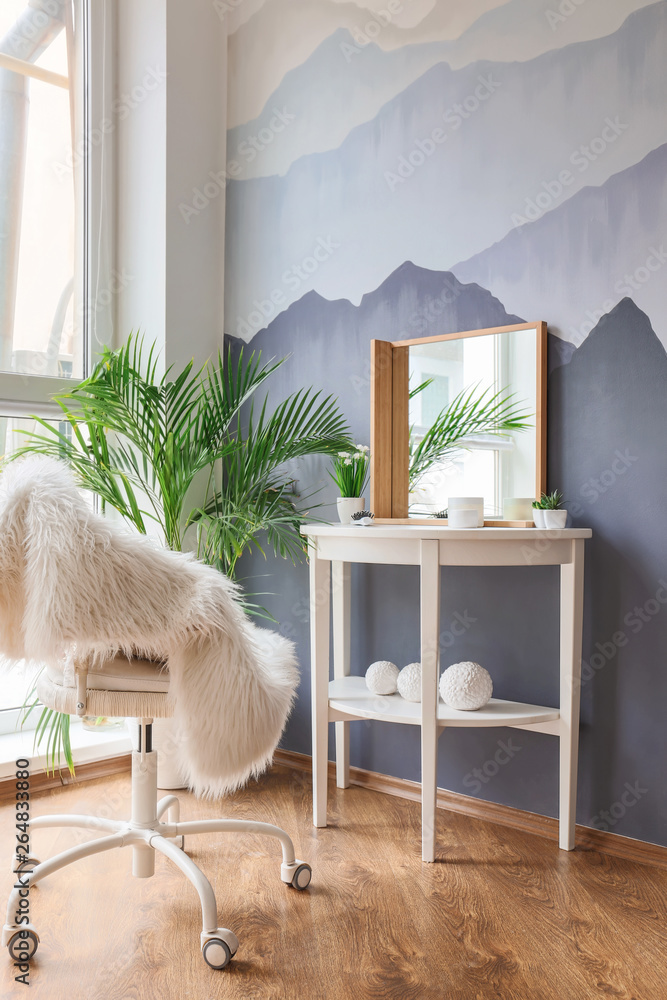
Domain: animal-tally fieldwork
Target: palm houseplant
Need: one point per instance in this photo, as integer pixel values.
(472, 414)
(192, 455)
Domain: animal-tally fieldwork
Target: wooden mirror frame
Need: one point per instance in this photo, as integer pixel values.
(390, 431)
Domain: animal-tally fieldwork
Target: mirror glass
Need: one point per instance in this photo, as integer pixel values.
(477, 397)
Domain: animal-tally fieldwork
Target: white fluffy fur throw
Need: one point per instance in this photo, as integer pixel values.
(71, 577)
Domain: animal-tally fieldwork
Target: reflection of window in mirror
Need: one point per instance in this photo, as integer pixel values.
(483, 462)
(431, 401)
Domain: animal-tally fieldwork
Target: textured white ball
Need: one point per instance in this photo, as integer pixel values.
(410, 682)
(466, 686)
(381, 677)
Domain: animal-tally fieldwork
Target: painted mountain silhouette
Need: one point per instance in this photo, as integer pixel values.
(283, 34)
(339, 87)
(607, 420)
(270, 51)
(614, 237)
(391, 192)
(612, 397)
(329, 341)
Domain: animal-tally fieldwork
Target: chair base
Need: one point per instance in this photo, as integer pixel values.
(145, 833)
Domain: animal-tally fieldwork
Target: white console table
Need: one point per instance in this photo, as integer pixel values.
(345, 698)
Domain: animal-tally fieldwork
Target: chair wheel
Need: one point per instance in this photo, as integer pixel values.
(302, 876)
(219, 951)
(22, 946)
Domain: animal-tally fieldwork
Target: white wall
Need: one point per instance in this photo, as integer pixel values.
(196, 132)
(170, 115)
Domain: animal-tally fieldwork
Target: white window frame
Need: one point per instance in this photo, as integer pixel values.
(23, 395)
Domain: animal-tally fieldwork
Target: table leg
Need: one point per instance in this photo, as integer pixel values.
(342, 608)
(430, 614)
(320, 591)
(571, 625)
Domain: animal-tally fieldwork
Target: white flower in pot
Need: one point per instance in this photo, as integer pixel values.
(350, 474)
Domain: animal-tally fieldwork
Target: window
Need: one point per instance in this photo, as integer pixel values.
(15, 679)
(50, 194)
(42, 86)
(434, 398)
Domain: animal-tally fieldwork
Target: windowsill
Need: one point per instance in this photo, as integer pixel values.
(86, 746)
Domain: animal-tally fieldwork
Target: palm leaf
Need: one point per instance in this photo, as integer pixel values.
(467, 415)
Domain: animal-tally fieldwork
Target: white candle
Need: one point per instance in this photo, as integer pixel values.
(463, 517)
(456, 503)
(518, 509)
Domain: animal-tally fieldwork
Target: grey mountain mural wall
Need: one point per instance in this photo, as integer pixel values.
(441, 253)
(446, 169)
(607, 419)
(615, 243)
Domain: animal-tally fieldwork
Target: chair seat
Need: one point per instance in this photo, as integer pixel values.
(121, 674)
(119, 687)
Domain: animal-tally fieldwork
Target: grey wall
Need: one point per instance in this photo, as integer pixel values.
(607, 414)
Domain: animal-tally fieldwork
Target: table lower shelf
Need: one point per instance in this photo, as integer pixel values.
(349, 697)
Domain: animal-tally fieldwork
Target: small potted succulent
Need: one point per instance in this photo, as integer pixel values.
(548, 511)
(350, 474)
(538, 514)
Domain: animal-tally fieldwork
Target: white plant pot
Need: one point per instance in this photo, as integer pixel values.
(538, 517)
(347, 506)
(169, 774)
(554, 519)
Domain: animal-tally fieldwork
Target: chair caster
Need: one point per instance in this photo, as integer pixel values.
(219, 949)
(22, 945)
(298, 875)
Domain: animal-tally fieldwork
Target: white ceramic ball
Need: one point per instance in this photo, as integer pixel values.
(381, 677)
(466, 686)
(410, 682)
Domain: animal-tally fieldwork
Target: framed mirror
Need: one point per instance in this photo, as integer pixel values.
(459, 415)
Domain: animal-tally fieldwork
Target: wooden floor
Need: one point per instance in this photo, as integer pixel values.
(500, 915)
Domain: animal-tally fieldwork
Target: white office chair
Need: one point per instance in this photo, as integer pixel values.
(75, 589)
(137, 689)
